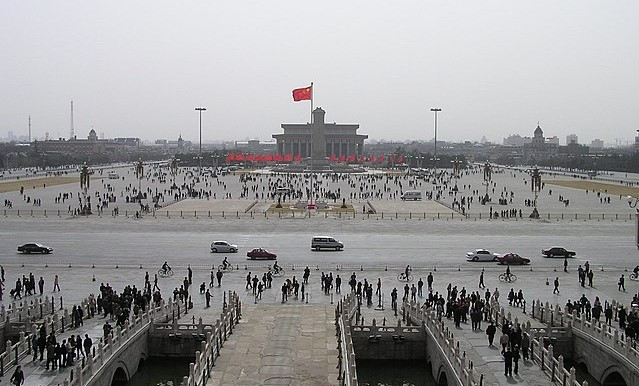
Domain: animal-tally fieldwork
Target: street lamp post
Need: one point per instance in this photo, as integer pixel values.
(632, 202)
(435, 110)
(200, 109)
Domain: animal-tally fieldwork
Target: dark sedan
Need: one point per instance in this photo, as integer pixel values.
(34, 248)
(558, 252)
(261, 254)
(512, 259)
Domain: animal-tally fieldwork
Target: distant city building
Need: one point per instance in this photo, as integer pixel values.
(572, 138)
(514, 140)
(597, 144)
(256, 146)
(553, 140)
(340, 139)
(538, 148)
(91, 145)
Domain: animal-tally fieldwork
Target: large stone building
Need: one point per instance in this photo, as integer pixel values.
(340, 139)
(538, 148)
(91, 145)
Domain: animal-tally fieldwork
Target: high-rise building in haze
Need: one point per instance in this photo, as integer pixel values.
(572, 138)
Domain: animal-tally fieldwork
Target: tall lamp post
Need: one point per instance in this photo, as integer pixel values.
(435, 110)
(200, 109)
(536, 188)
(632, 202)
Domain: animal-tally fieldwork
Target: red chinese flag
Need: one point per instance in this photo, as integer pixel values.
(230, 157)
(332, 158)
(288, 157)
(268, 158)
(303, 94)
(259, 158)
(298, 157)
(342, 158)
(380, 159)
(391, 158)
(250, 158)
(372, 159)
(277, 158)
(351, 158)
(400, 159)
(239, 157)
(362, 158)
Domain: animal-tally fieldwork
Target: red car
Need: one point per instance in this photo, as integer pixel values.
(512, 259)
(261, 254)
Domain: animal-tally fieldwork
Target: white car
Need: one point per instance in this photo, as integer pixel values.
(223, 247)
(481, 255)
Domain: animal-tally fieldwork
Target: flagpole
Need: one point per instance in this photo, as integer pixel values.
(311, 102)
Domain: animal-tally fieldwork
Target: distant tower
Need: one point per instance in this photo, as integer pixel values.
(72, 129)
(29, 128)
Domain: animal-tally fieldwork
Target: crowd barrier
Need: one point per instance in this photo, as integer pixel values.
(269, 215)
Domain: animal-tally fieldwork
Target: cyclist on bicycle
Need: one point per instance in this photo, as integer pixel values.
(508, 271)
(636, 271)
(276, 268)
(166, 268)
(225, 263)
(406, 272)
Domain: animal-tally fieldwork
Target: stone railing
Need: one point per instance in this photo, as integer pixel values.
(27, 311)
(463, 370)
(553, 367)
(344, 314)
(604, 335)
(26, 318)
(87, 372)
(200, 371)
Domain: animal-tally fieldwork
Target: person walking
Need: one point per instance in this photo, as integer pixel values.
(556, 289)
(508, 362)
(41, 285)
(56, 284)
(621, 284)
(88, 343)
(503, 341)
(208, 298)
(490, 331)
(18, 376)
(481, 280)
(219, 275)
(516, 359)
(525, 344)
(190, 271)
(565, 264)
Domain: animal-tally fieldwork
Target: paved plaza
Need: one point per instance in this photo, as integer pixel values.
(119, 250)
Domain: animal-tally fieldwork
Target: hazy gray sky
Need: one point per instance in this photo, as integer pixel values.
(139, 68)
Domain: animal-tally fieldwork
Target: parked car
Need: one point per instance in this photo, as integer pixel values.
(223, 247)
(512, 259)
(261, 254)
(558, 252)
(34, 248)
(481, 255)
(319, 242)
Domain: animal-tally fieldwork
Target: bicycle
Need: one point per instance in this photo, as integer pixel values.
(276, 272)
(228, 268)
(507, 278)
(165, 273)
(402, 277)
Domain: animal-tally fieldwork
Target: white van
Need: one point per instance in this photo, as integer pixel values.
(413, 195)
(114, 176)
(319, 242)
